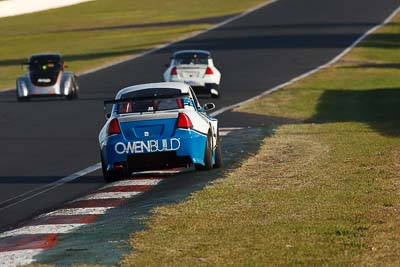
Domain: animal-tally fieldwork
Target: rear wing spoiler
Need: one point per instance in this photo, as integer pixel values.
(23, 64)
(155, 97)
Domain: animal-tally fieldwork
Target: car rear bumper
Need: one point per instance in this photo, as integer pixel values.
(157, 160)
(185, 148)
(40, 91)
(46, 91)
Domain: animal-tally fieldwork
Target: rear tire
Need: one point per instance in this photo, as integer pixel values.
(73, 95)
(207, 156)
(109, 176)
(214, 96)
(22, 98)
(70, 96)
(76, 92)
(218, 154)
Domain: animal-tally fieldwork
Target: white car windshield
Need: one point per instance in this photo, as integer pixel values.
(45, 63)
(191, 59)
(150, 100)
(135, 106)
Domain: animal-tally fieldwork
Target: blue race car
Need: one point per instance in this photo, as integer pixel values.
(157, 126)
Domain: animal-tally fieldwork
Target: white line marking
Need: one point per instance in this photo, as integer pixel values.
(18, 257)
(109, 195)
(51, 186)
(78, 211)
(230, 129)
(305, 75)
(134, 182)
(42, 229)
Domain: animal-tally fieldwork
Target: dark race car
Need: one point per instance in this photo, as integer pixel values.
(47, 77)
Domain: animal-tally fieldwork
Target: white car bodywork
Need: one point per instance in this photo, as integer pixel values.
(195, 68)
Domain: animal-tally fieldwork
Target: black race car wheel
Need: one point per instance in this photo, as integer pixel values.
(207, 156)
(76, 92)
(218, 154)
(215, 95)
(109, 176)
(213, 90)
(22, 99)
(73, 94)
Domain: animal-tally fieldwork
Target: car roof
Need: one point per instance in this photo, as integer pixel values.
(46, 54)
(191, 51)
(168, 85)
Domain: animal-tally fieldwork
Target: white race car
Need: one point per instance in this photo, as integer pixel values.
(195, 68)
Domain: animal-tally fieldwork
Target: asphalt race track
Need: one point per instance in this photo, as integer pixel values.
(45, 140)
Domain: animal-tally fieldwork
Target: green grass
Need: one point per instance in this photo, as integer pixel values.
(321, 192)
(94, 33)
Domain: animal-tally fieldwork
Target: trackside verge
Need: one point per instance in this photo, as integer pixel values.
(320, 192)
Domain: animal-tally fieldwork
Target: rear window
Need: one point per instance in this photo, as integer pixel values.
(191, 58)
(45, 63)
(151, 100)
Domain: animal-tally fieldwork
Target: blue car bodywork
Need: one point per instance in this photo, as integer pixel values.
(176, 133)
